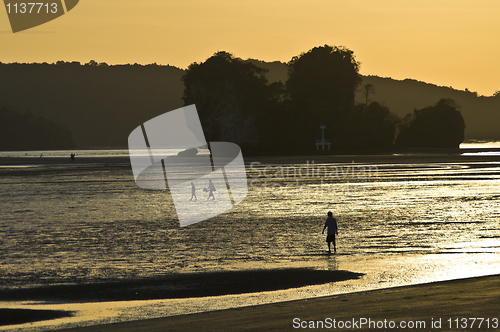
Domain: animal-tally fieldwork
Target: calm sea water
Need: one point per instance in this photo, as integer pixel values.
(83, 224)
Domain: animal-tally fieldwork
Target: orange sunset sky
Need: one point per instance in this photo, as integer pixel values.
(445, 42)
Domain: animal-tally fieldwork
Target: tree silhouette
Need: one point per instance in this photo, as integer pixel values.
(368, 128)
(233, 99)
(438, 126)
(321, 85)
(24, 131)
(368, 89)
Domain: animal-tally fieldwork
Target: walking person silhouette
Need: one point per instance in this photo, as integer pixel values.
(211, 189)
(193, 192)
(331, 224)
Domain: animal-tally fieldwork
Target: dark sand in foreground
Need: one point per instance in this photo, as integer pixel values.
(466, 298)
(178, 286)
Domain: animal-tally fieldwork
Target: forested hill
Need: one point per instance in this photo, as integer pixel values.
(102, 104)
(99, 104)
(481, 114)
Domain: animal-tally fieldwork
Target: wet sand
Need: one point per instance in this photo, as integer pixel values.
(20, 316)
(95, 304)
(179, 286)
(434, 302)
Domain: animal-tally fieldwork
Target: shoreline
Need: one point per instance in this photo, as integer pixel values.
(402, 158)
(378, 273)
(46, 161)
(442, 301)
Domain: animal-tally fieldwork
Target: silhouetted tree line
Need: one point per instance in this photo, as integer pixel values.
(441, 125)
(232, 97)
(25, 131)
(236, 103)
(102, 104)
(371, 127)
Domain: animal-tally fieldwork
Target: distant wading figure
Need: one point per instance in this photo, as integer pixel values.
(331, 223)
(211, 189)
(193, 192)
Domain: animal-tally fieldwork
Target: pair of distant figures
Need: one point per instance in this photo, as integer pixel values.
(210, 190)
(331, 225)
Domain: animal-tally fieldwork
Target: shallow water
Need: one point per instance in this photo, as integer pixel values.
(398, 223)
(93, 224)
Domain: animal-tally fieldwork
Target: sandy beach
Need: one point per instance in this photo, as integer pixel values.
(267, 300)
(430, 304)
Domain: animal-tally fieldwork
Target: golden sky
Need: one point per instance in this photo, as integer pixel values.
(445, 42)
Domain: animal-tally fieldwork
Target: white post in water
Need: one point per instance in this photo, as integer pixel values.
(322, 142)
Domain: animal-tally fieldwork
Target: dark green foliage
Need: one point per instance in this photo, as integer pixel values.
(101, 104)
(372, 127)
(481, 113)
(438, 126)
(367, 90)
(236, 104)
(24, 131)
(324, 80)
(321, 87)
(233, 99)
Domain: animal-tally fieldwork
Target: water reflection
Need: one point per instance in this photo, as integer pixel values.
(87, 225)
